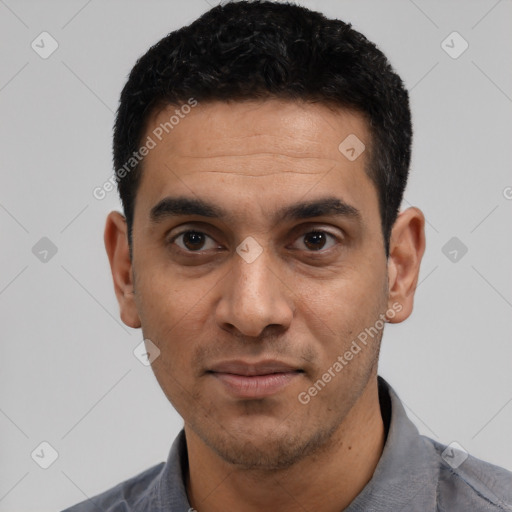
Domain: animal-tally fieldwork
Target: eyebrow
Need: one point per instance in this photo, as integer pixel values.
(170, 207)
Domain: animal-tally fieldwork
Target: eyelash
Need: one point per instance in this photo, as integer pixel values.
(311, 231)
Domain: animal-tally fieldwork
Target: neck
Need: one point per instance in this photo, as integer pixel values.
(325, 482)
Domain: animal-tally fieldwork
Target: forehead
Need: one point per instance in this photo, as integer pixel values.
(254, 152)
(295, 128)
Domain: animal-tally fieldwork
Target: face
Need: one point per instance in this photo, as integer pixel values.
(253, 297)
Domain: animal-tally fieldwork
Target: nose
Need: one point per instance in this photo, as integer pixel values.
(254, 297)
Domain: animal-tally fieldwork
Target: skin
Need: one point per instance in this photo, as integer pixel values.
(293, 303)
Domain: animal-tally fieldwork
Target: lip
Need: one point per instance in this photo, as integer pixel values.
(263, 367)
(254, 380)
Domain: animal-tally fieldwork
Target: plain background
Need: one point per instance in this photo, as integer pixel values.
(68, 375)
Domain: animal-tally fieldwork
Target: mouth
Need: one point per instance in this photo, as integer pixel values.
(254, 380)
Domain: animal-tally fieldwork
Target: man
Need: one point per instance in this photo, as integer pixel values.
(261, 155)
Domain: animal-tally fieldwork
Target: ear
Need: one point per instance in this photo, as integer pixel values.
(116, 244)
(407, 245)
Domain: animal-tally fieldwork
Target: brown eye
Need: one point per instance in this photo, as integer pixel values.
(317, 240)
(191, 241)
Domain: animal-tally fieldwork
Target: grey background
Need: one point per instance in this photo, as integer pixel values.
(67, 372)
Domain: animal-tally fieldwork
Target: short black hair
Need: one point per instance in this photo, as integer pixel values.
(245, 50)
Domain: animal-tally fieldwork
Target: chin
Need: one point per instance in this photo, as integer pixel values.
(264, 445)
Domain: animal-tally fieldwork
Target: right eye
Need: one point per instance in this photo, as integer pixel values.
(191, 240)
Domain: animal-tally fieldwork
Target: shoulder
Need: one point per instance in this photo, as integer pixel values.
(124, 496)
(468, 483)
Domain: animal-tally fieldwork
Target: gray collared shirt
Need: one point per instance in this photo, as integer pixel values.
(414, 474)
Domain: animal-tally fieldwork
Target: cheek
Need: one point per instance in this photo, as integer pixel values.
(165, 297)
(347, 302)
(173, 318)
(173, 315)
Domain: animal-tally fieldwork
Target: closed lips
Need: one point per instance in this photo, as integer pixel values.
(253, 369)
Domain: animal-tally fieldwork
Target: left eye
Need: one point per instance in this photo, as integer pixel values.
(316, 240)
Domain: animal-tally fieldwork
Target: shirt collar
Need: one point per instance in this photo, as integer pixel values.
(406, 475)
